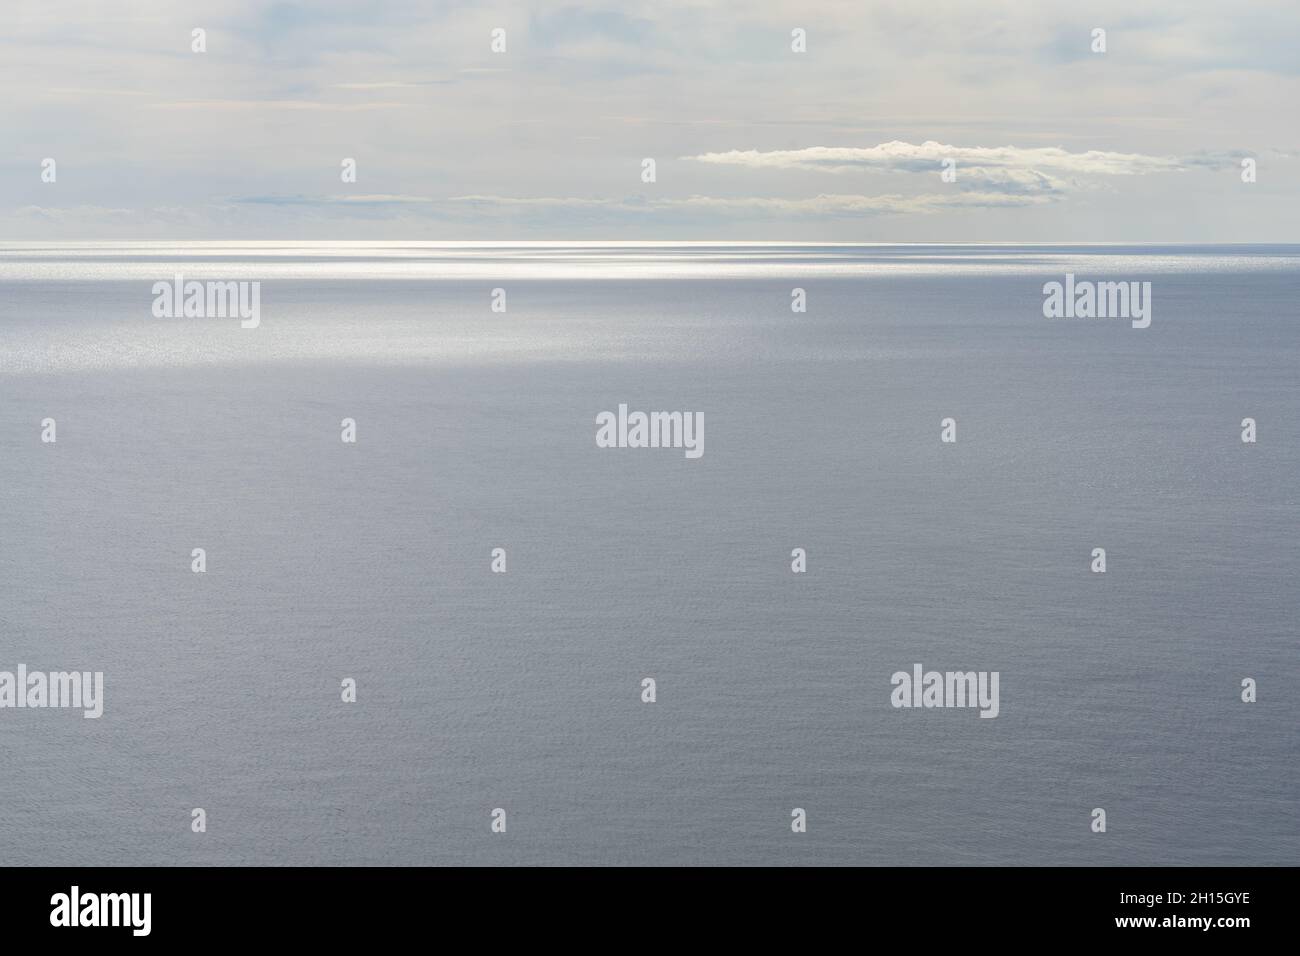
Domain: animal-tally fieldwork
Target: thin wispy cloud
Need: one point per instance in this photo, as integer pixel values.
(253, 105)
(1045, 172)
(824, 204)
(1028, 167)
(392, 85)
(926, 157)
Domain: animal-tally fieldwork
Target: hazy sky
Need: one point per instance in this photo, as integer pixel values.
(1052, 142)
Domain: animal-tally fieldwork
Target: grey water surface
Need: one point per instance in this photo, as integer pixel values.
(476, 430)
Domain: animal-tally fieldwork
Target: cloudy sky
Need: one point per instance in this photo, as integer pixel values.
(751, 140)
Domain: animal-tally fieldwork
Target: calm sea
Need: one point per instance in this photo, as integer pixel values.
(476, 430)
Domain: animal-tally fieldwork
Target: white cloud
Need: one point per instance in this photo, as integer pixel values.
(926, 157)
(1003, 169)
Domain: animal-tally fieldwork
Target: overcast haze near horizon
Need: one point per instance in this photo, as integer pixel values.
(752, 141)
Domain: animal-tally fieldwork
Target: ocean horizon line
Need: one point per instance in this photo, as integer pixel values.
(634, 243)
